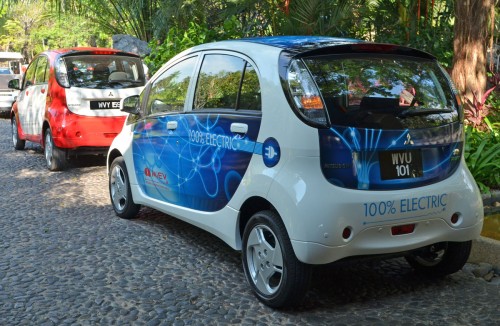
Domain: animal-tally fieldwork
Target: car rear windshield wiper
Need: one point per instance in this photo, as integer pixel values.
(415, 112)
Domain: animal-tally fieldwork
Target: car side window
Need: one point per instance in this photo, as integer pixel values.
(228, 82)
(250, 90)
(41, 74)
(168, 92)
(29, 77)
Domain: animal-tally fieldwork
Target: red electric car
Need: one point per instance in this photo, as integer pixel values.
(69, 101)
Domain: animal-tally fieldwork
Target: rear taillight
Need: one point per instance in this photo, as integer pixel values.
(305, 93)
(402, 229)
(62, 73)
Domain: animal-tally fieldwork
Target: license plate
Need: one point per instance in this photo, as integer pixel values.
(400, 164)
(104, 105)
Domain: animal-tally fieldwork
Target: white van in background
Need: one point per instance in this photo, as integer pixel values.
(10, 68)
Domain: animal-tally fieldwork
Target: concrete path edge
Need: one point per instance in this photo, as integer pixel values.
(487, 250)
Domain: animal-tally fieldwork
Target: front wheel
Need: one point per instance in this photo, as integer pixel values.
(440, 259)
(276, 276)
(120, 192)
(55, 157)
(16, 140)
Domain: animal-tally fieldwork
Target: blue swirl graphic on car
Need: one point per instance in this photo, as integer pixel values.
(350, 157)
(193, 160)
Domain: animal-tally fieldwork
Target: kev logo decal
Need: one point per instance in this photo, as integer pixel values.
(155, 178)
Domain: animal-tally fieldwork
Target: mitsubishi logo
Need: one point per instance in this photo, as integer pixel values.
(408, 141)
(111, 94)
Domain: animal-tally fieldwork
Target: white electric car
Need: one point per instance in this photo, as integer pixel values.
(301, 151)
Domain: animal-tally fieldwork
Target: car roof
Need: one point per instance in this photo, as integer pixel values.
(301, 43)
(313, 45)
(317, 45)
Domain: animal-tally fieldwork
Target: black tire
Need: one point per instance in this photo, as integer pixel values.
(55, 157)
(276, 276)
(18, 142)
(119, 190)
(440, 259)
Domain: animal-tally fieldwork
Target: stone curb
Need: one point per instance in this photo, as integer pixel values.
(491, 202)
(485, 250)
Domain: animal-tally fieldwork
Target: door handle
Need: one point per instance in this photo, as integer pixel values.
(172, 125)
(239, 128)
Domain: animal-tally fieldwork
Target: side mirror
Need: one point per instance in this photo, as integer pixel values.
(13, 84)
(131, 104)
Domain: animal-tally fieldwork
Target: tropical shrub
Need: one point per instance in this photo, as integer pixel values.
(493, 101)
(482, 154)
(478, 110)
(482, 148)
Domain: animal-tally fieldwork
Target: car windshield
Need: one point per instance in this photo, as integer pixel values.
(389, 92)
(104, 71)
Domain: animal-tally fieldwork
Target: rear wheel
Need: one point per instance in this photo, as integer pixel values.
(276, 276)
(55, 157)
(18, 142)
(120, 192)
(440, 259)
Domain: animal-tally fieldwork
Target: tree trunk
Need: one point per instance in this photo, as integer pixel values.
(469, 46)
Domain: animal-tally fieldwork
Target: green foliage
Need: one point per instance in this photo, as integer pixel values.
(114, 16)
(178, 39)
(61, 31)
(23, 18)
(316, 17)
(482, 154)
(423, 25)
(31, 28)
(493, 101)
(11, 39)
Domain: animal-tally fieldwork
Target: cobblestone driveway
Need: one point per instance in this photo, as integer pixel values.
(66, 259)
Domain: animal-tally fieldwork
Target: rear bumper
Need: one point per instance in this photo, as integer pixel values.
(81, 131)
(316, 213)
(379, 240)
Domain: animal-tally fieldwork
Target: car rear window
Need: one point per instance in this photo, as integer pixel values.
(383, 91)
(104, 71)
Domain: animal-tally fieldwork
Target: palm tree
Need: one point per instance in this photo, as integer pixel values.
(319, 17)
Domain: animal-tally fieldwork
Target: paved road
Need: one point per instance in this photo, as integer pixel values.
(66, 259)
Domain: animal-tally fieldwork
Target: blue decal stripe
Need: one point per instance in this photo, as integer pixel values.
(258, 148)
(245, 145)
